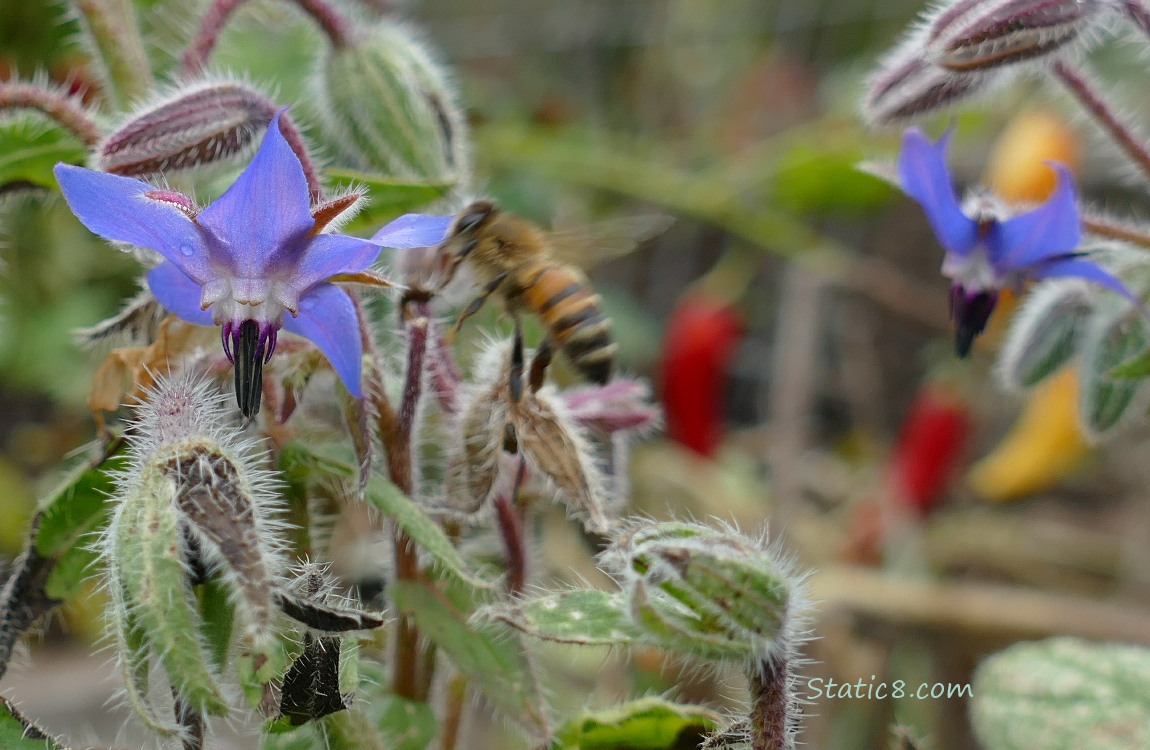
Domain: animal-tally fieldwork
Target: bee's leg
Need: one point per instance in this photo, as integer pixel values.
(516, 382)
(476, 304)
(452, 265)
(539, 364)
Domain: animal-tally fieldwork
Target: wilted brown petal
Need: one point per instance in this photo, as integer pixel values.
(552, 446)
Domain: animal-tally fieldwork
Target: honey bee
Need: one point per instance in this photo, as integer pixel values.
(523, 264)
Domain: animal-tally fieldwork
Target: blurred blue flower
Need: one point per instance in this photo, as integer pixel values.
(247, 258)
(985, 249)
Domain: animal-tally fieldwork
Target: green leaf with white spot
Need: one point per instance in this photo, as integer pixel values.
(645, 724)
(1063, 694)
(587, 617)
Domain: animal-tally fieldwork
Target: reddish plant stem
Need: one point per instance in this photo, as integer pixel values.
(200, 49)
(407, 680)
(771, 706)
(511, 531)
(335, 26)
(1091, 100)
(61, 108)
(1104, 226)
(453, 718)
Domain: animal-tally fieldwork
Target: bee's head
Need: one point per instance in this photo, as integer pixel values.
(472, 218)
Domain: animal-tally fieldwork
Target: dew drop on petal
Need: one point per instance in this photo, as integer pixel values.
(187, 249)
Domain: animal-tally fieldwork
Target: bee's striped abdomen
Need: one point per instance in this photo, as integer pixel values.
(570, 310)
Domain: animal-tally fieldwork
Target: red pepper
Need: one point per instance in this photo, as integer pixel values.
(697, 348)
(929, 446)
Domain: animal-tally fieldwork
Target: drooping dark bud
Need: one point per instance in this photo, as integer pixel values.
(980, 34)
(970, 312)
(251, 346)
(909, 85)
(199, 125)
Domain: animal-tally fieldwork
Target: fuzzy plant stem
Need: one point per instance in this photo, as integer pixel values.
(117, 43)
(213, 22)
(771, 705)
(512, 524)
(1105, 226)
(61, 108)
(335, 26)
(406, 680)
(455, 699)
(1086, 92)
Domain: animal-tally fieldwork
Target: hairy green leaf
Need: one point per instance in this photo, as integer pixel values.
(1063, 694)
(497, 665)
(587, 617)
(645, 724)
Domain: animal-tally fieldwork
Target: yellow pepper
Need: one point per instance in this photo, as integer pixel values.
(1043, 446)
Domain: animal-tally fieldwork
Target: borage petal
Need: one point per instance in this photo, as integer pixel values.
(178, 294)
(329, 254)
(413, 230)
(266, 210)
(116, 208)
(1051, 230)
(1077, 267)
(327, 318)
(923, 175)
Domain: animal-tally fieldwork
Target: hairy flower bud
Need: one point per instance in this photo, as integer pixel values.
(199, 124)
(908, 84)
(980, 34)
(190, 502)
(387, 107)
(710, 592)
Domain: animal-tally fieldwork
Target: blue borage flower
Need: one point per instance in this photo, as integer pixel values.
(251, 256)
(986, 249)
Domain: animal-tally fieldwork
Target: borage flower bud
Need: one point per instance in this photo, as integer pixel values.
(191, 499)
(979, 34)
(247, 260)
(908, 85)
(199, 124)
(703, 590)
(388, 107)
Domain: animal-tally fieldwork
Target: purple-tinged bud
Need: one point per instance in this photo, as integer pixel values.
(909, 85)
(970, 311)
(981, 34)
(199, 125)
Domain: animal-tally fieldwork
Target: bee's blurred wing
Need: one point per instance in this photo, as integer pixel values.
(601, 241)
